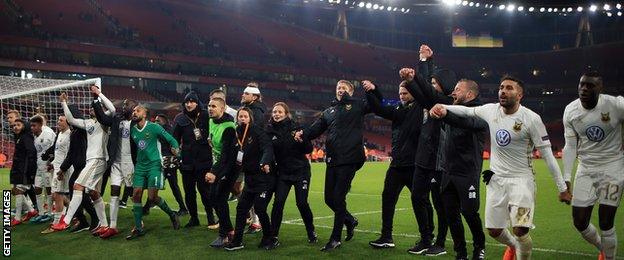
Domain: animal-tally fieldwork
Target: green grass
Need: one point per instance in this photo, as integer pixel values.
(554, 235)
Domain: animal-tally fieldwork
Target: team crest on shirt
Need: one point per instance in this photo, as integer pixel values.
(349, 106)
(125, 132)
(503, 137)
(517, 126)
(605, 117)
(90, 129)
(142, 144)
(595, 133)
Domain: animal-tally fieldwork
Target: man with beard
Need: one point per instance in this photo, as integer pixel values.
(148, 169)
(510, 199)
(121, 153)
(191, 131)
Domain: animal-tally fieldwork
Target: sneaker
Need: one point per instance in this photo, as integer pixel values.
(48, 230)
(192, 223)
(312, 237)
(351, 229)
(478, 254)
(123, 204)
(94, 225)
(45, 218)
(135, 233)
(79, 227)
(35, 219)
(175, 221)
(601, 256)
(435, 250)
(272, 243)
(99, 231)
(233, 246)
(419, 248)
(30, 215)
(15, 222)
(219, 242)
(214, 226)
(510, 254)
(382, 243)
(331, 245)
(254, 228)
(110, 232)
(60, 226)
(461, 258)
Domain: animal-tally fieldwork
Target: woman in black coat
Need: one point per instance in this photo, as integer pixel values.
(293, 168)
(254, 158)
(23, 169)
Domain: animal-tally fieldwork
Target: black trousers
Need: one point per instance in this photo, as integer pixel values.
(396, 179)
(192, 180)
(461, 195)
(219, 194)
(85, 204)
(427, 182)
(337, 185)
(172, 178)
(282, 188)
(259, 201)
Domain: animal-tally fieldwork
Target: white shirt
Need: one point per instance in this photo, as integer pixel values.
(124, 155)
(513, 138)
(43, 142)
(61, 148)
(598, 131)
(97, 136)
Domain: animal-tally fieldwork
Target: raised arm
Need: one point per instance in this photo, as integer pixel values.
(473, 123)
(374, 98)
(316, 129)
(80, 123)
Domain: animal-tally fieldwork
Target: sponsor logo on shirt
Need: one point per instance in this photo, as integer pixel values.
(595, 133)
(125, 132)
(142, 144)
(503, 137)
(90, 129)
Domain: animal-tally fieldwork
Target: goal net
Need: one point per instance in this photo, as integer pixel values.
(31, 97)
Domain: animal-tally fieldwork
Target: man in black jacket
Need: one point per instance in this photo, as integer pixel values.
(406, 123)
(223, 173)
(170, 167)
(343, 121)
(23, 169)
(460, 182)
(191, 131)
(430, 158)
(121, 152)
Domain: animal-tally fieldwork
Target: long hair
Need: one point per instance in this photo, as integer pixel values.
(285, 107)
(251, 119)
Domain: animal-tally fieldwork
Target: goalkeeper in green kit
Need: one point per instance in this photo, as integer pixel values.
(148, 169)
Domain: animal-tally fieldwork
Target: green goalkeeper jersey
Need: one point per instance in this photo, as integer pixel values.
(148, 145)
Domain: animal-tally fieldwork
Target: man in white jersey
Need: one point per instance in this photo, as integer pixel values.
(44, 139)
(120, 151)
(510, 197)
(593, 133)
(60, 180)
(91, 176)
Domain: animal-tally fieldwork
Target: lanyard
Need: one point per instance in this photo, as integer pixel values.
(241, 141)
(196, 118)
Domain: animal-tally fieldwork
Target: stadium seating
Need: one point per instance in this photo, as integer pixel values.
(127, 92)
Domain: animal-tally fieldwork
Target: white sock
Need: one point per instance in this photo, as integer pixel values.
(609, 243)
(40, 203)
(114, 208)
(507, 239)
(49, 202)
(27, 203)
(100, 211)
(73, 206)
(57, 217)
(19, 201)
(254, 218)
(590, 234)
(525, 247)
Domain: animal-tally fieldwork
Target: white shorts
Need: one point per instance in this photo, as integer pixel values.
(122, 173)
(91, 176)
(598, 184)
(510, 199)
(42, 179)
(61, 186)
(22, 187)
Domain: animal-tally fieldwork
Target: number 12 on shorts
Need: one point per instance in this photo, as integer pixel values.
(611, 191)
